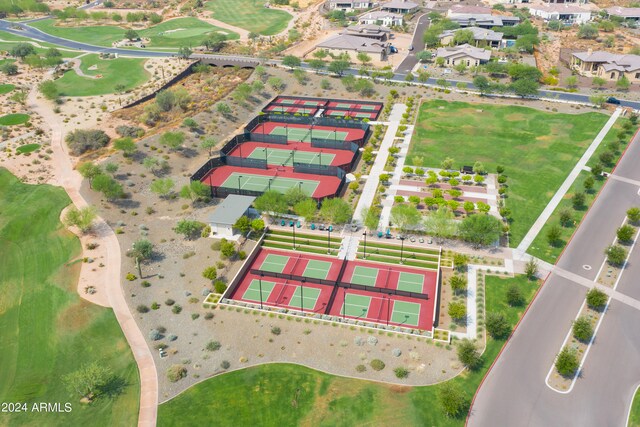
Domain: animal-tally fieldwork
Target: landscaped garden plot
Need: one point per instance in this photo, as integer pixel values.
(47, 330)
(6, 88)
(251, 15)
(28, 148)
(541, 247)
(127, 72)
(14, 119)
(538, 149)
(328, 399)
(171, 34)
(317, 244)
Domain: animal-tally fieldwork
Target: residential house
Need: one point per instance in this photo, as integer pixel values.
(609, 66)
(626, 13)
(483, 20)
(465, 9)
(399, 6)
(379, 17)
(463, 54)
(566, 13)
(482, 37)
(352, 45)
(566, 1)
(370, 31)
(349, 5)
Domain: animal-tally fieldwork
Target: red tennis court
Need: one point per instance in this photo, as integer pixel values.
(291, 109)
(303, 133)
(351, 113)
(394, 277)
(281, 179)
(251, 149)
(298, 263)
(292, 100)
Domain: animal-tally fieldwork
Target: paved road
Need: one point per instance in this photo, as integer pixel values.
(418, 45)
(514, 393)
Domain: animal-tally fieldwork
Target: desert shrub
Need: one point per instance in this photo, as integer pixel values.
(219, 286)
(214, 346)
(401, 372)
(154, 335)
(514, 296)
(130, 131)
(131, 277)
(377, 365)
(169, 302)
(276, 330)
(82, 140)
(567, 362)
(176, 372)
(142, 308)
(145, 284)
(225, 364)
(497, 325)
(176, 309)
(582, 329)
(596, 299)
(361, 368)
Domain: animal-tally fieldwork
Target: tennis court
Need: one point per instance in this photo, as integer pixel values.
(405, 313)
(253, 291)
(262, 183)
(356, 114)
(366, 276)
(317, 269)
(356, 305)
(307, 296)
(291, 109)
(305, 134)
(411, 282)
(276, 156)
(274, 263)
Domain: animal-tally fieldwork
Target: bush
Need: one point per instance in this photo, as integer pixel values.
(468, 354)
(176, 309)
(214, 346)
(514, 296)
(155, 306)
(457, 310)
(596, 299)
(131, 277)
(210, 273)
(225, 364)
(567, 362)
(176, 372)
(130, 131)
(154, 335)
(616, 255)
(452, 400)
(401, 372)
(497, 325)
(582, 329)
(142, 308)
(276, 330)
(633, 214)
(625, 233)
(169, 302)
(80, 140)
(377, 365)
(219, 286)
(145, 284)
(361, 368)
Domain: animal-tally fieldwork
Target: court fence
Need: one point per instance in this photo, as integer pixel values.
(235, 282)
(326, 104)
(319, 169)
(246, 162)
(334, 144)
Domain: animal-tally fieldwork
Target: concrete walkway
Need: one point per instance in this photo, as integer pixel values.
(371, 184)
(395, 179)
(71, 181)
(566, 185)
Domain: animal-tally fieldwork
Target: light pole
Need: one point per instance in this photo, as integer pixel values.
(293, 156)
(260, 284)
(293, 225)
(266, 155)
(320, 159)
(270, 179)
(388, 308)
(300, 185)
(364, 233)
(239, 185)
(344, 301)
(329, 228)
(401, 247)
(301, 296)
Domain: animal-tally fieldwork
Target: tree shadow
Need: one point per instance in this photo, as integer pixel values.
(114, 387)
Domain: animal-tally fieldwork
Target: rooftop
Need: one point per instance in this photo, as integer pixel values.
(370, 29)
(459, 8)
(482, 18)
(613, 61)
(624, 12)
(399, 4)
(559, 8)
(349, 42)
(478, 33)
(464, 50)
(379, 14)
(232, 208)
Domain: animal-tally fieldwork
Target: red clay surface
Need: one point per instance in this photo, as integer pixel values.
(328, 185)
(268, 127)
(284, 290)
(342, 157)
(378, 309)
(306, 102)
(291, 109)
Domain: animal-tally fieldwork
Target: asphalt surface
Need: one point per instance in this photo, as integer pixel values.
(410, 61)
(515, 393)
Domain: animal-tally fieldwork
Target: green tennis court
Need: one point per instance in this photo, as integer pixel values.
(304, 134)
(309, 298)
(344, 105)
(287, 101)
(253, 291)
(317, 269)
(356, 305)
(366, 276)
(411, 282)
(274, 263)
(368, 107)
(314, 103)
(405, 313)
(277, 156)
(365, 115)
(261, 183)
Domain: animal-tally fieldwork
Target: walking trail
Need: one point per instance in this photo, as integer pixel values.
(70, 180)
(566, 185)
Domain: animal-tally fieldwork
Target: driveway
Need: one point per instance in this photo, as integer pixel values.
(410, 61)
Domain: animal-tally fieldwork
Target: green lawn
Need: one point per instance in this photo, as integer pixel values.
(47, 330)
(608, 139)
(8, 41)
(250, 15)
(129, 72)
(263, 395)
(540, 247)
(538, 149)
(170, 34)
(29, 5)
(27, 148)
(634, 415)
(6, 88)
(14, 119)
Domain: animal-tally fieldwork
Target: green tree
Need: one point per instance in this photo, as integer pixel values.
(571, 81)
(338, 67)
(208, 144)
(215, 42)
(463, 36)
(598, 82)
(22, 50)
(184, 52)
(243, 224)
(173, 140)
(81, 218)
(582, 329)
(242, 92)
(88, 379)
(616, 255)
(257, 225)
(440, 224)
(588, 183)
(633, 214)
(596, 299)
(623, 83)
(141, 250)
(316, 64)
(108, 186)
(306, 208)
(227, 249)
(497, 325)
(131, 35)
(162, 186)
(271, 202)
(9, 68)
(531, 269)
(276, 83)
(482, 84)
(165, 100)
(468, 354)
(49, 90)
(567, 362)
(291, 61)
(554, 233)
(525, 87)
(625, 233)
(480, 229)
(598, 100)
(224, 109)
(578, 200)
(336, 211)
(371, 217)
(294, 195)
(423, 56)
(89, 171)
(527, 42)
(452, 400)
(363, 58)
(210, 273)
(588, 31)
(405, 217)
(514, 296)
(188, 228)
(126, 145)
(457, 311)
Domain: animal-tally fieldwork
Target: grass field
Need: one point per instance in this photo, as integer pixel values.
(129, 72)
(170, 34)
(29, 5)
(634, 415)
(6, 88)
(538, 149)
(608, 139)
(326, 400)
(14, 119)
(47, 330)
(8, 40)
(28, 148)
(540, 246)
(250, 15)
